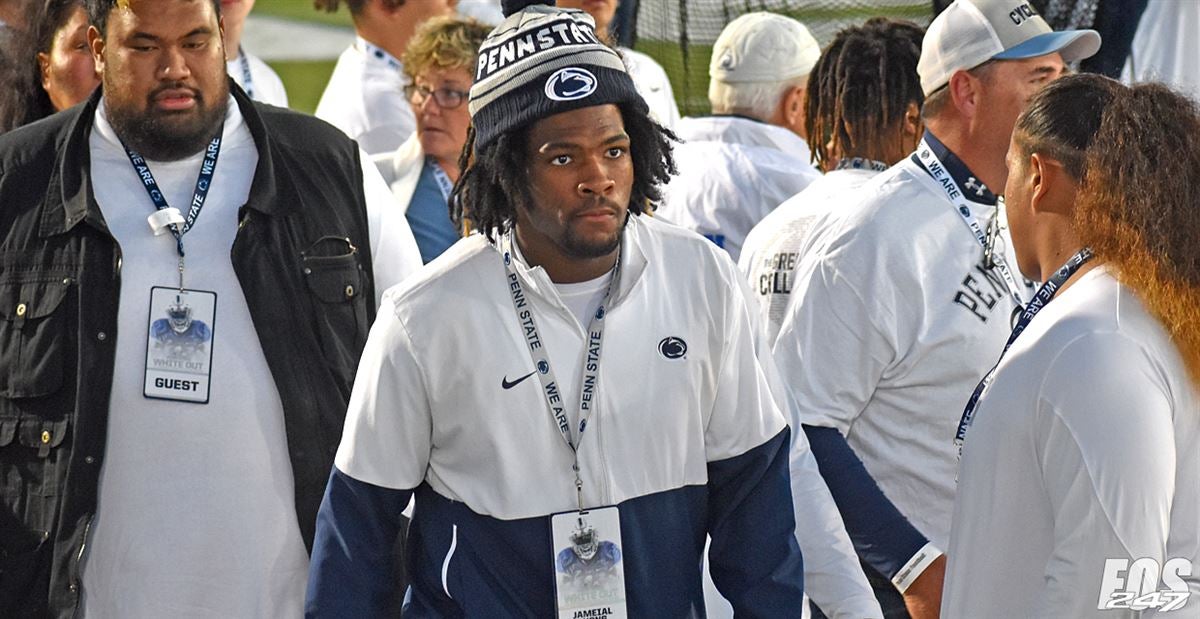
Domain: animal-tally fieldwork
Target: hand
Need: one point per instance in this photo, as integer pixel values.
(924, 597)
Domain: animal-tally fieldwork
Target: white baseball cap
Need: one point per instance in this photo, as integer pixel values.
(971, 32)
(763, 47)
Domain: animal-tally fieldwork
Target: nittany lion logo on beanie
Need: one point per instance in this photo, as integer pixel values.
(570, 84)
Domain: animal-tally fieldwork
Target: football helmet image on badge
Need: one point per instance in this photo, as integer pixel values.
(588, 562)
(179, 334)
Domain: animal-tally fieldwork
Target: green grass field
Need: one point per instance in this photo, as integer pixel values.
(305, 81)
(302, 10)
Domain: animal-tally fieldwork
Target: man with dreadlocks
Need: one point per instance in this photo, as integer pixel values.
(573, 365)
(906, 301)
(1092, 416)
(863, 106)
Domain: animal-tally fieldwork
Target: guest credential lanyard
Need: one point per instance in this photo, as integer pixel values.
(589, 382)
(166, 217)
(937, 172)
(1044, 295)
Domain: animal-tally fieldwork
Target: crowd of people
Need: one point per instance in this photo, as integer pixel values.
(909, 326)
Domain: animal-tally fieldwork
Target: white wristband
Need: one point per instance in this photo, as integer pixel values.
(915, 567)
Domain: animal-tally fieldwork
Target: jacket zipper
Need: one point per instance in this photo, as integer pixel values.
(76, 587)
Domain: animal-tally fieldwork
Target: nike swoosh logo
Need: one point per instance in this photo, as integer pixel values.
(509, 385)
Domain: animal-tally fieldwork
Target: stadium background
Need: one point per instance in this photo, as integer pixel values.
(301, 43)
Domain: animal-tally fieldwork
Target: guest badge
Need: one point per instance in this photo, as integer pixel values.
(179, 345)
(588, 570)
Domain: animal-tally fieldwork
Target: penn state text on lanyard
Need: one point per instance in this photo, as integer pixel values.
(1041, 299)
(247, 78)
(167, 217)
(937, 170)
(589, 384)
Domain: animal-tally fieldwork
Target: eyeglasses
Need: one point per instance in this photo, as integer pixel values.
(446, 98)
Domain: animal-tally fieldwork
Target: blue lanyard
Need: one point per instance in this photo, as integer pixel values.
(203, 182)
(444, 184)
(1044, 295)
(380, 54)
(247, 79)
(860, 163)
(937, 175)
(589, 385)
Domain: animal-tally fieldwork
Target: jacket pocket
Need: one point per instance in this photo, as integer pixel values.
(335, 280)
(31, 463)
(33, 342)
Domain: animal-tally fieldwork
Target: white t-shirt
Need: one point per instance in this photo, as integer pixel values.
(891, 325)
(365, 99)
(584, 298)
(732, 172)
(650, 80)
(265, 85)
(196, 513)
(774, 246)
(1086, 447)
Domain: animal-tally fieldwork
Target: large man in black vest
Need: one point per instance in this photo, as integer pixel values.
(142, 478)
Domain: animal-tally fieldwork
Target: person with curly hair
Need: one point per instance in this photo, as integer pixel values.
(440, 66)
(1081, 459)
(658, 427)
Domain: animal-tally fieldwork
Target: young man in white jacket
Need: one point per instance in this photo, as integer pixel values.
(575, 397)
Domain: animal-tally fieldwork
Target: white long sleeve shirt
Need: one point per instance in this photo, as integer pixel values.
(1084, 449)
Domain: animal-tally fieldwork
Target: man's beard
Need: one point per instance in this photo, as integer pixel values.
(168, 136)
(577, 247)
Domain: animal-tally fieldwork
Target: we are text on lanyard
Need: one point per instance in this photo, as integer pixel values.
(166, 217)
(589, 382)
(1044, 295)
(986, 239)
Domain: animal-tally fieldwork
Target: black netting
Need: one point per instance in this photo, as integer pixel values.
(679, 34)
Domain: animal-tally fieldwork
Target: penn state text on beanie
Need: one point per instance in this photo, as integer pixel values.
(542, 61)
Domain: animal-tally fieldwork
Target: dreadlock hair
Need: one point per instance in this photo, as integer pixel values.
(860, 89)
(493, 183)
(1137, 210)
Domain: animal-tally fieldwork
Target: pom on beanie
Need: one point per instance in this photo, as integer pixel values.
(508, 7)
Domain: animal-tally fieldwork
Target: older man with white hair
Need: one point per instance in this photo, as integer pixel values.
(750, 155)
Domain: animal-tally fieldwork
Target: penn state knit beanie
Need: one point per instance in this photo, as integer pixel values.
(541, 61)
